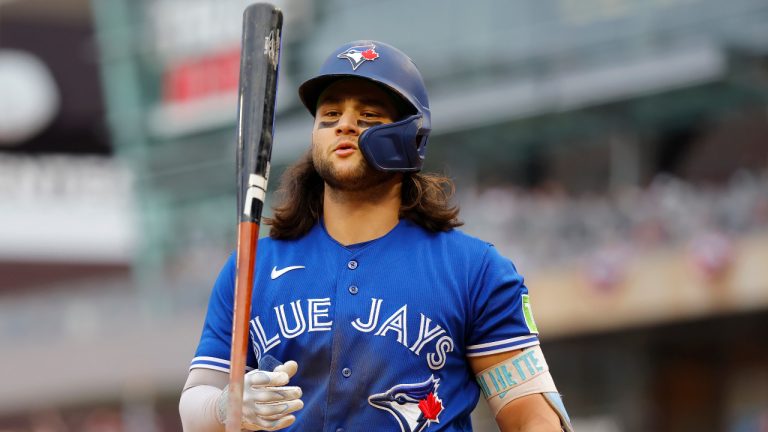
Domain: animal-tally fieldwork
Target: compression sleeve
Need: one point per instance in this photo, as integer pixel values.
(197, 408)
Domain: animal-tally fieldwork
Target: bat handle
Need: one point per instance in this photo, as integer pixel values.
(247, 237)
(235, 409)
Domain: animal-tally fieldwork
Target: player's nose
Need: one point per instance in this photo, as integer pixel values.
(348, 123)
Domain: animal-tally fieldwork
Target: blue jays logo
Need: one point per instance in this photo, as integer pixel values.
(415, 406)
(358, 55)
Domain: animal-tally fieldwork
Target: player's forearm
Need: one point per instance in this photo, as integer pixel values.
(533, 425)
(528, 414)
(197, 408)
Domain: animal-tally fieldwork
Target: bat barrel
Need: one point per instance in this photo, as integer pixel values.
(259, 64)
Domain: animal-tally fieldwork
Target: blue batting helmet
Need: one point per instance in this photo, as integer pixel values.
(398, 146)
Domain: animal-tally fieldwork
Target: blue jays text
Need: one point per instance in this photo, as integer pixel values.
(313, 316)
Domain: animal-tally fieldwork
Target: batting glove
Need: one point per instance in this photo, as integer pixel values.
(267, 401)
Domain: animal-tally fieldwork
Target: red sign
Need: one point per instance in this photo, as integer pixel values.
(202, 78)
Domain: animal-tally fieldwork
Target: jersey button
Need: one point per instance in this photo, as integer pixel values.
(340, 430)
(353, 290)
(347, 372)
(352, 265)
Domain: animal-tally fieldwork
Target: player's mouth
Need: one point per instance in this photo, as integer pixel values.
(344, 149)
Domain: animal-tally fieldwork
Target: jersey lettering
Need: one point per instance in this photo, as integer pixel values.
(318, 312)
(425, 334)
(261, 336)
(437, 359)
(373, 318)
(398, 322)
(318, 308)
(298, 318)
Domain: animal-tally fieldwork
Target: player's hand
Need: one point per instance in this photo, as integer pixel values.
(267, 401)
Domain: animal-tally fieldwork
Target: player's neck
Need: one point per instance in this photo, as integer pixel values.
(358, 216)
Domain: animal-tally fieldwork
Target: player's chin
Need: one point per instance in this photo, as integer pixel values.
(349, 175)
(346, 177)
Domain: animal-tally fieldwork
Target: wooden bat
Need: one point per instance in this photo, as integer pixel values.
(259, 62)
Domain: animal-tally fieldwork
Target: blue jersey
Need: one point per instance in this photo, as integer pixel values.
(381, 330)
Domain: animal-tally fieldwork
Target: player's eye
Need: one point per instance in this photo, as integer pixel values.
(370, 114)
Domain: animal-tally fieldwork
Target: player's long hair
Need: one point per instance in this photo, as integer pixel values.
(426, 201)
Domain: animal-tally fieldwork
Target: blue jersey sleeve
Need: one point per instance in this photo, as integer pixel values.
(213, 352)
(501, 315)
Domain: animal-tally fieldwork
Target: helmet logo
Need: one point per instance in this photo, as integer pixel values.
(358, 55)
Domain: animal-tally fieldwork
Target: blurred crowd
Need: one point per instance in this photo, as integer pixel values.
(548, 227)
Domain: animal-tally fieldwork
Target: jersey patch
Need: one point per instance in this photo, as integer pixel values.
(528, 314)
(414, 406)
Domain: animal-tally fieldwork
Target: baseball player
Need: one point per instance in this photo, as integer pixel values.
(384, 317)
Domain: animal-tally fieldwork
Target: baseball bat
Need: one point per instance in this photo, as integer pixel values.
(259, 64)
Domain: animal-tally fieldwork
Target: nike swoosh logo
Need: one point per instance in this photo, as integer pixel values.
(277, 273)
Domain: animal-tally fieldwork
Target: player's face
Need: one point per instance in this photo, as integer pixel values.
(346, 109)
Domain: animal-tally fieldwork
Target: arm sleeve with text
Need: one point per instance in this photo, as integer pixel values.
(501, 316)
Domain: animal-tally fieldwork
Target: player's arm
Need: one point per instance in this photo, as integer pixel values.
(199, 399)
(504, 351)
(528, 412)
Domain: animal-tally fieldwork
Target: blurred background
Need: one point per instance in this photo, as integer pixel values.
(615, 150)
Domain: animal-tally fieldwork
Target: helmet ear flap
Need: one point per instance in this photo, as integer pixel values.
(395, 146)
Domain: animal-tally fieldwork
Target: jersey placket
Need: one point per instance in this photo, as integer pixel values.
(343, 383)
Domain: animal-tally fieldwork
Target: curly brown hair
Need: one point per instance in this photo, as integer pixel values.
(426, 201)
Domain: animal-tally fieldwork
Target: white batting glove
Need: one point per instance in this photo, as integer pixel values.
(267, 401)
